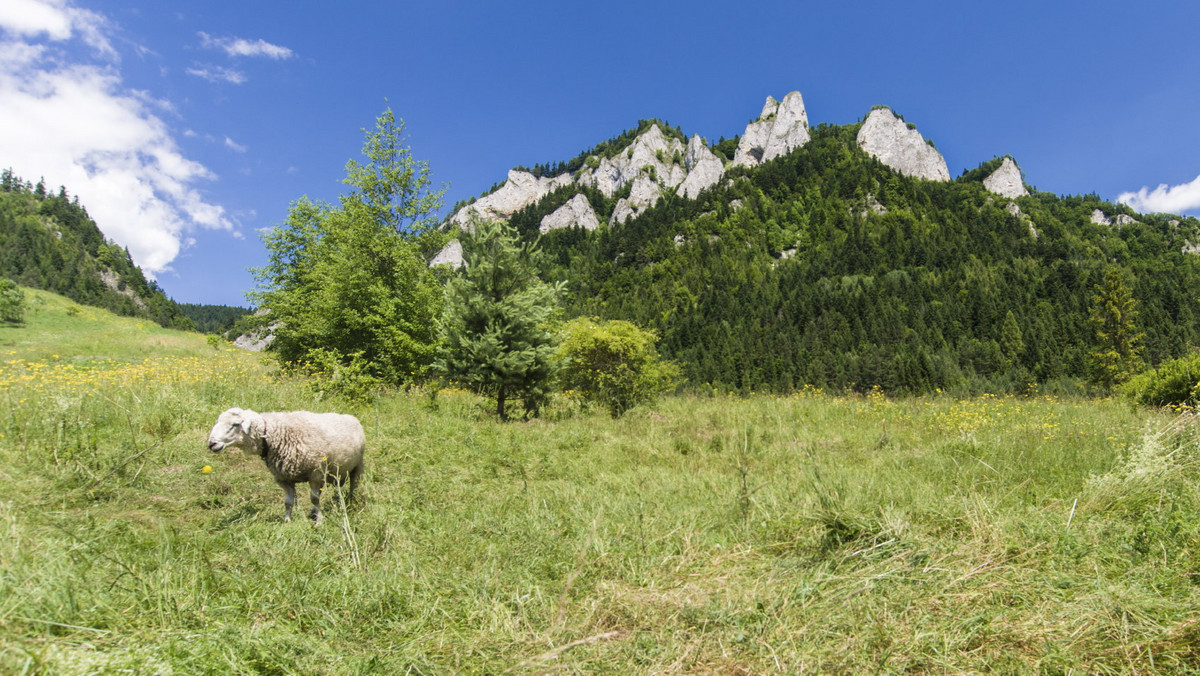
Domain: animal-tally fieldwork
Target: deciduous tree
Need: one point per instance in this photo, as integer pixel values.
(351, 279)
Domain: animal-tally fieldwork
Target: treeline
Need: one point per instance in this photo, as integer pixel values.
(219, 319)
(827, 268)
(48, 241)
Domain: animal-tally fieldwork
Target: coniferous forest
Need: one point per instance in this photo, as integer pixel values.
(828, 269)
(48, 241)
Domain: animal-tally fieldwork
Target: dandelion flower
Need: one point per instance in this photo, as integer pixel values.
(207, 469)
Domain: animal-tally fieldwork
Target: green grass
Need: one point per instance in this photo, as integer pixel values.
(811, 534)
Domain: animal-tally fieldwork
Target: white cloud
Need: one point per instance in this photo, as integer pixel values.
(58, 21)
(234, 145)
(218, 74)
(1174, 199)
(243, 47)
(77, 125)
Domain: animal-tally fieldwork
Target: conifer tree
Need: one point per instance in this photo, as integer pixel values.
(1113, 314)
(495, 333)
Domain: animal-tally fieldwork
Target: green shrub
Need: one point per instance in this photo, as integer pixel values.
(614, 363)
(331, 374)
(1173, 383)
(12, 302)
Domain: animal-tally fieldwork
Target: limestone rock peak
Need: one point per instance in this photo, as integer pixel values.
(519, 191)
(576, 213)
(704, 168)
(651, 149)
(888, 139)
(642, 196)
(1006, 180)
(780, 128)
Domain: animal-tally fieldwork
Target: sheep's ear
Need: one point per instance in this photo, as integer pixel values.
(254, 426)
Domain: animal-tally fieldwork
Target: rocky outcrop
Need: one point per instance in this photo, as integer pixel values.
(451, 254)
(1014, 210)
(255, 341)
(519, 191)
(779, 129)
(113, 281)
(652, 150)
(576, 213)
(872, 206)
(888, 139)
(1120, 220)
(704, 169)
(258, 339)
(642, 196)
(1006, 180)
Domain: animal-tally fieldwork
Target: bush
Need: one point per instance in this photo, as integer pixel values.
(614, 363)
(12, 302)
(332, 375)
(1173, 383)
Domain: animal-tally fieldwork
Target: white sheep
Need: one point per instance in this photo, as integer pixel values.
(297, 446)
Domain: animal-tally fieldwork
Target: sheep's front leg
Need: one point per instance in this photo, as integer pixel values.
(289, 498)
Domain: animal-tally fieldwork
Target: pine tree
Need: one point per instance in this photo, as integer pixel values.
(1113, 314)
(495, 333)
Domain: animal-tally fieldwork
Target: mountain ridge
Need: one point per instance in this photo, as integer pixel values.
(854, 260)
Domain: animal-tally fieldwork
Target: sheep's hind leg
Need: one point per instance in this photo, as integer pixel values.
(289, 499)
(314, 494)
(355, 477)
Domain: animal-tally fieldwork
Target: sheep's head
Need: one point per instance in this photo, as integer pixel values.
(238, 428)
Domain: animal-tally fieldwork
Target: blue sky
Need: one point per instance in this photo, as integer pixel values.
(187, 127)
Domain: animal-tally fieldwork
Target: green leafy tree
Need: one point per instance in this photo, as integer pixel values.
(12, 302)
(614, 363)
(495, 329)
(350, 280)
(1113, 314)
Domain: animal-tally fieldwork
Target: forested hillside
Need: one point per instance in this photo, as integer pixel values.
(48, 241)
(218, 319)
(825, 267)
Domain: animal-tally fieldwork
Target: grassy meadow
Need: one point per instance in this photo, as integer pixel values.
(806, 534)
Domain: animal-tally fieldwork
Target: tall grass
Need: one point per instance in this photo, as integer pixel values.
(730, 535)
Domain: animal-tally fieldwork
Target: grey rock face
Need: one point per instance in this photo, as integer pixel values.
(576, 213)
(888, 139)
(1100, 218)
(1006, 180)
(519, 191)
(256, 341)
(642, 196)
(451, 254)
(779, 129)
(703, 167)
(650, 150)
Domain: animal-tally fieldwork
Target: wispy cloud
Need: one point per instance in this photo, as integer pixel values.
(217, 74)
(1174, 199)
(244, 47)
(234, 145)
(119, 157)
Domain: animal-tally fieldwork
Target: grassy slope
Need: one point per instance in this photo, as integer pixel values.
(811, 534)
